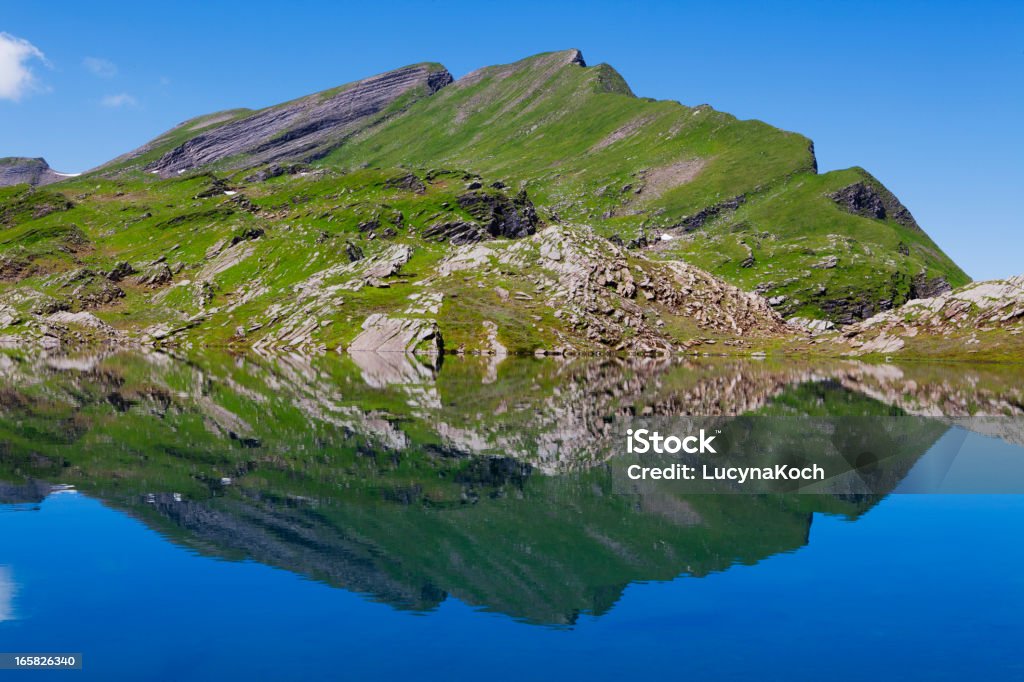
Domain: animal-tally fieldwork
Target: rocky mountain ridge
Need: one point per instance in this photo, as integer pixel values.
(302, 130)
(539, 206)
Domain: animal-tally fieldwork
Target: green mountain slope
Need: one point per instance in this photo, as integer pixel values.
(576, 136)
(589, 150)
(535, 205)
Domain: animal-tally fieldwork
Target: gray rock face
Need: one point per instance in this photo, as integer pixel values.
(383, 334)
(991, 305)
(306, 128)
(496, 215)
(849, 309)
(17, 170)
(870, 201)
(922, 287)
(457, 232)
(155, 275)
(501, 215)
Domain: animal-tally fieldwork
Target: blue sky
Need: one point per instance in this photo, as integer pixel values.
(928, 96)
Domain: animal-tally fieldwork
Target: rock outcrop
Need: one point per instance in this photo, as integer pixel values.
(697, 220)
(604, 298)
(925, 287)
(874, 201)
(501, 215)
(495, 214)
(383, 334)
(979, 307)
(305, 128)
(16, 170)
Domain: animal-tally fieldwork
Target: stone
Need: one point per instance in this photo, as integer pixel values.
(501, 215)
(697, 220)
(409, 182)
(870, 200)
(353, 252)
(155, 275)
(923, 287)
(990, 305)
(120, 271)
(384, 334)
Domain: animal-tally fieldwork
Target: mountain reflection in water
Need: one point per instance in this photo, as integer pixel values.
(487, 481)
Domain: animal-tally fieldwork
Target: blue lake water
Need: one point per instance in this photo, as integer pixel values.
(922, 587)
(308, 549)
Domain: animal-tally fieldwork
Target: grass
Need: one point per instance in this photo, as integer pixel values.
(585, 149)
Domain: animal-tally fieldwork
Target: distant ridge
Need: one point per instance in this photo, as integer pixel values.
(16, 170)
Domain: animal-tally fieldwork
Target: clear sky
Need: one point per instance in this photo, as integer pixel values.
(928, 96)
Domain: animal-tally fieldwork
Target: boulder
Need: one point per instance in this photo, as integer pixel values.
(384, 334)
(155, 275)
(120, 271)
(499, 214)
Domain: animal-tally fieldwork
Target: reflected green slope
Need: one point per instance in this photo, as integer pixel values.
(379, 494)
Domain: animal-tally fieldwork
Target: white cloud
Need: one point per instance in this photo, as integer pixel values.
(122, 99)
(16, 77)
(97, 66)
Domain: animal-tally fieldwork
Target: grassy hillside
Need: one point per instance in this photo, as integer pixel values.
(582, 144)
(235, 260)
(782, 243)
(303, 251)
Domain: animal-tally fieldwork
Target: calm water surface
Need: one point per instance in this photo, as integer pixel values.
(296, 518)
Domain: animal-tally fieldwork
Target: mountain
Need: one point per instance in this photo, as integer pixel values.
(16, 170)
(539, 205)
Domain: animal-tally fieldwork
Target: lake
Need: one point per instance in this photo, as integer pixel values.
(292, 517)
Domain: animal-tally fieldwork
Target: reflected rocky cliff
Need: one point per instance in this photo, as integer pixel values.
(409, 482)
